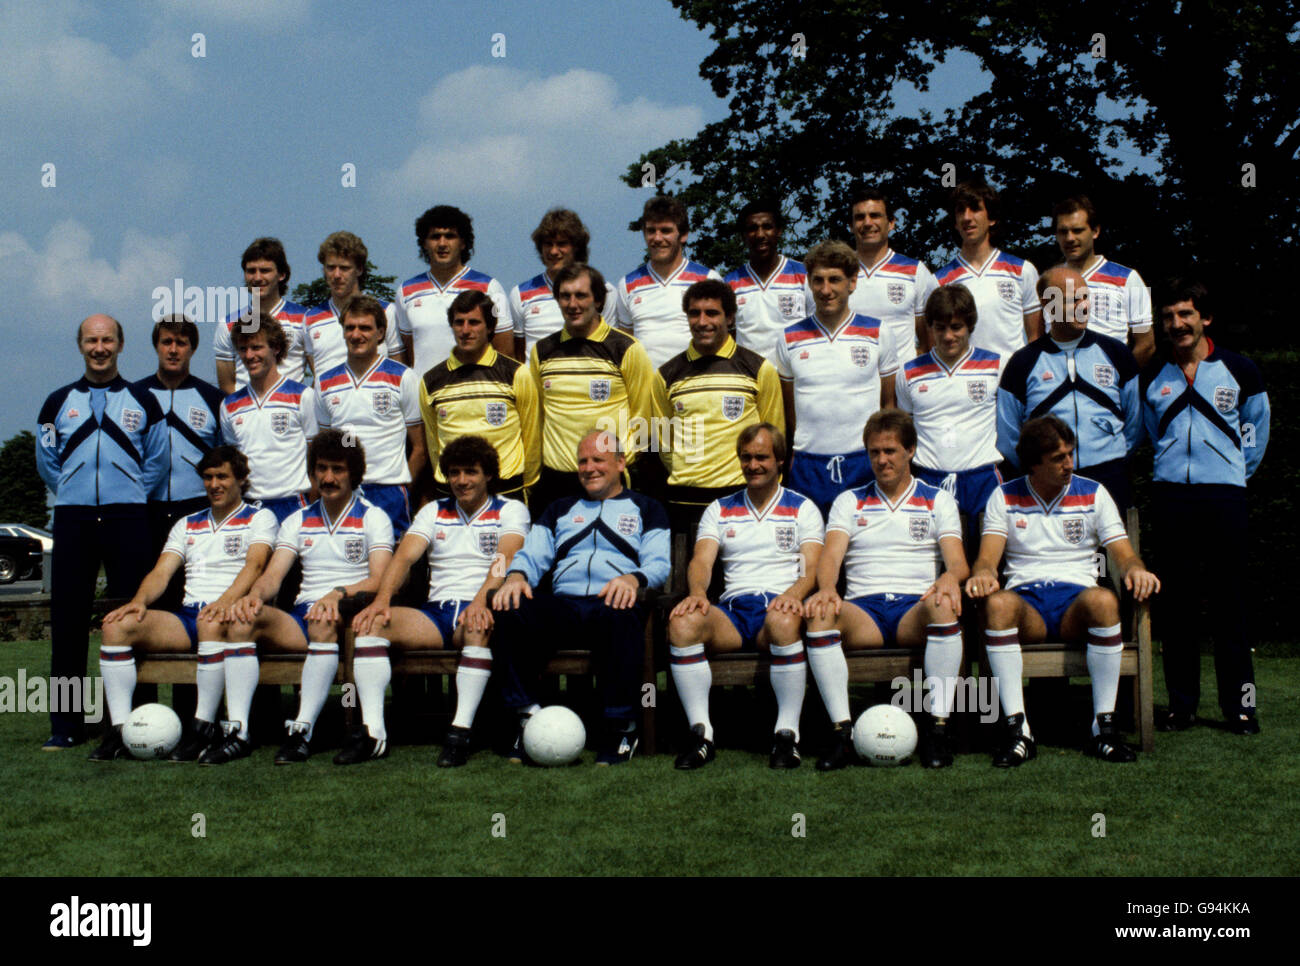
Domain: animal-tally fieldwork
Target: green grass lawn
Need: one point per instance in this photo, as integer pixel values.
(1205, 803)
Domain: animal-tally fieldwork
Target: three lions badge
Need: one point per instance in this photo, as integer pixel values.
(354, 549)
(599, 390)
(732, 407)
(1072, 527)
(495, 413)
(786, 538)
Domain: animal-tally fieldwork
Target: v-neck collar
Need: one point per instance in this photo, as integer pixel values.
(902, 500)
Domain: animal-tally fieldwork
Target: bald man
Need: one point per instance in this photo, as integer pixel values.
(1088, 380)
(101, 445)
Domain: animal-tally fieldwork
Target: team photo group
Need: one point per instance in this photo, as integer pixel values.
(811, 456)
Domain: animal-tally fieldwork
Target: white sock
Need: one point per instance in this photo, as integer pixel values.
(241, 683)
(372, 671)
(789, 679)
(1104, 653)
(117, 668)
(472, 675)
(830, 670)
(942, 666)
(1008, 666)
(210, 679)
(692, 677)
(317, 675)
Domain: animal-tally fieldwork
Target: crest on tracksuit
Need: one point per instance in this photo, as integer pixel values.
(131, 419)
(599, 390)
(733, 407)
(860, 354)
(1072, 527)
(896, 292)
(1103, 376)
(1225, 398)
(786, 538)
(354, 550)
(198, 418)
(628, 524)
(495, 413)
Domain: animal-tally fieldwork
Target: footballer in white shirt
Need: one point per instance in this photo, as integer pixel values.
(771, 289)
(836, 369)
(1119, 301)
(344, 544)
(649, 305)
(343, 257)
(376, 400)
(561, 240)
(952, 393)
(446, 239)
(892, 536)
(891, 287)
(769, 539)
(1004, 285)
(223, 550)
(271, 421)
(469, 539)
(266, 275)
(1050, 523)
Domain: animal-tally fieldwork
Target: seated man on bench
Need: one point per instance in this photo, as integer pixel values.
(344, 544)
(770, 539)
(1050, 523)
(891, 535)
(223, 549)
(600, 549)
(471, 538)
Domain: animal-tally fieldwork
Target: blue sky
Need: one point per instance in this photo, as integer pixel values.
(166, 164)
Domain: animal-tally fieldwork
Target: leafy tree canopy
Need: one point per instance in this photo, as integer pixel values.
(317, 292)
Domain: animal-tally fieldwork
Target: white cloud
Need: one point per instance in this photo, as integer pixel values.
(504, 133)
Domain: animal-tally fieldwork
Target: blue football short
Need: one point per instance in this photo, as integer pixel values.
(747, 612)
(887, 610)
(1051, 598)
(822, 478)
(444, 614)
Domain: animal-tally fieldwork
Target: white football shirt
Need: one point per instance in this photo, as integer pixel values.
(422, 306)
(290, 315)
(272, 432)
(1053, 541)
(326, 346)
(376, 408)
(894, 290)
(765, 306)
(955, 410)
(836, 378)
(461, 548)
(214, 553)
(893, 547)
(1118, 300)
(535, 314)
(334, 553)
(760, 546)
(1004, 291)
(650, 308)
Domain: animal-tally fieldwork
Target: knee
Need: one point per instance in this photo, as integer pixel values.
(1003, 610)
(782, 627)
(686, 629)
(1102, 606)
(319, 632)
(115, 634)
(937, 612)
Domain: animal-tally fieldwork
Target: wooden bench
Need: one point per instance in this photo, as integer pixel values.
(1054, 659)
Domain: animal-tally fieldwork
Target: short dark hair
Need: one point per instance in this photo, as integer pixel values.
(891, 421)
(331, 444)
(468, 301)
(1068, 206)
(577, 270)
(748, 434)
(565, 224)
(665, 208)
(711, 288)
(269, 326)
(446, 216)
(762, 205)
(271, 250)
(176, 324)
(468, 451)
(869, 192)
(951, 302)
(1179, 289)
(1040, 436)
(975, 194)
(226, 454)
(362, 304)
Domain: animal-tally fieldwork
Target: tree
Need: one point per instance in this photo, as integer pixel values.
(22, 491)
(1180, 120)
(316, 292)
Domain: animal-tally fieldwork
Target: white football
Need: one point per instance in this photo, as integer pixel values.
(884, 735)
(151, 731)
(554, 736)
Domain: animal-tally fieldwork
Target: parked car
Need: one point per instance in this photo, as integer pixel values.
(26, 530)
(18, 556)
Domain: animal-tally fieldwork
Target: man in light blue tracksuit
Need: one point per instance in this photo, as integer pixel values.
(1088, 381)
(101, 446)
(1207, 414)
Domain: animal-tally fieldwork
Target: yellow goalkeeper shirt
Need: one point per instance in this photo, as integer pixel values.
(493, 398)
(601, 382)
(703, 402)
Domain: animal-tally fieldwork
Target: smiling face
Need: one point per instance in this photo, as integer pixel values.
(600, 468)
(332, 478)
(870, 225)
(1184, 325)
(577, 303)
(100, 346)
(1065, 303)
(664, 242)
(951, 339)
(257, 356)
(758, 462)
(831, 288)
(261, 276)
(362, 335)
(222, 488)
(708, 324)
(556, 252)
(469, 485)
(762, 237)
